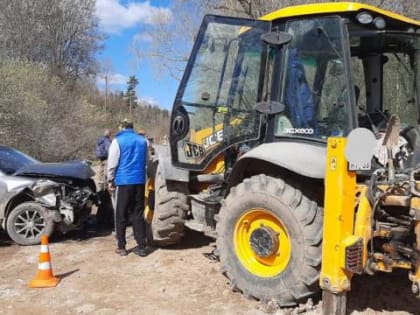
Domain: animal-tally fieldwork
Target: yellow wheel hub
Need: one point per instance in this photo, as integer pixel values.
(262, 243)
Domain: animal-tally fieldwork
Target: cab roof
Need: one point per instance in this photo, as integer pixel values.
(335, 7)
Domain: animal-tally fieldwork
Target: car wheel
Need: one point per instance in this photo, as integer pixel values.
(27, 223)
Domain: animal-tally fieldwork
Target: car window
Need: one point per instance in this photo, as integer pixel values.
(11, 160)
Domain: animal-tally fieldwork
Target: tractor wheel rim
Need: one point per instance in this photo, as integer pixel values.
(29, 224)
(262, 243)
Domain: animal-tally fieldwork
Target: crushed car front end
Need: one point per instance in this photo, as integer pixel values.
(39, 198)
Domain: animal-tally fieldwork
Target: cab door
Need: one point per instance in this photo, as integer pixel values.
(215, 104)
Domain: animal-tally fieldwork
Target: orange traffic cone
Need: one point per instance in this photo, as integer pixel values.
(45, 277)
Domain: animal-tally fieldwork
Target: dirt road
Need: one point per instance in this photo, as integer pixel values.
(181, 280)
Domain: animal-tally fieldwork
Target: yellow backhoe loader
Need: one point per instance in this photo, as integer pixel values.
(257, 150)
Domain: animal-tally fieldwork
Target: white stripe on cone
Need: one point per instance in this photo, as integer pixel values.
(44, 249)
(44, 266)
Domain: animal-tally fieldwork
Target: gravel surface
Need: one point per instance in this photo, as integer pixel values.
(184, 279)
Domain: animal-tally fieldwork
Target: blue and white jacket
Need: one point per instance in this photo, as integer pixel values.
(127, 158)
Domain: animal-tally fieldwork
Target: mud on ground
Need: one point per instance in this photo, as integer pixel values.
(184, 279)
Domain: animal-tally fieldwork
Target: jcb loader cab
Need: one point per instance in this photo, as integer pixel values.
(249, 126)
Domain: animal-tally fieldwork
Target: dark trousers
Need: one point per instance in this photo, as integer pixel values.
(130, 204)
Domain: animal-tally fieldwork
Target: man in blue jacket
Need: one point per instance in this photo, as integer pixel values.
(127, 175)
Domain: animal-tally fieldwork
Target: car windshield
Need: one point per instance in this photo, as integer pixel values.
(11, 160)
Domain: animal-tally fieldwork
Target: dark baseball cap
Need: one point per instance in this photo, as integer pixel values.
(126, 124)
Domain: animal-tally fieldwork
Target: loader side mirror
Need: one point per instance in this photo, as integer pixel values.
(270, 107)
(180, 123)
(276, 38)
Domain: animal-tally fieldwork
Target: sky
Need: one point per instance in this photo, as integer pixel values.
(122, 21)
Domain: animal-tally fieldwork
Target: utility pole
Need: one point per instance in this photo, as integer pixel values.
(130, 97)
(106, 90)
(120, 104)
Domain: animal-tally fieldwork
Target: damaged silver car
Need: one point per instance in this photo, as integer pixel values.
(37, 198)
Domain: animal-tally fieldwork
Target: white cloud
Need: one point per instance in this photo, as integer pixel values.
(115, 17)
(117, 78)
(113, 79)
(144, 37)
(148, 100)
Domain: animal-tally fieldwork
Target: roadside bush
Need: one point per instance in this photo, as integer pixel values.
(40, 116)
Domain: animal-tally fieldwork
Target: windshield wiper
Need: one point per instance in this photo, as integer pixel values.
(402, 63)
(321, 30)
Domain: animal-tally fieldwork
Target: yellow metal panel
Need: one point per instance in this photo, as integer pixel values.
(216, 166)
(331, 8)
(340, 190)
(363, 226)
(386, 265)
(415, 276)
(415, 205)
(150, 186)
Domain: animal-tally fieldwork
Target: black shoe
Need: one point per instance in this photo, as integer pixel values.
(121, 251)
(140, 251)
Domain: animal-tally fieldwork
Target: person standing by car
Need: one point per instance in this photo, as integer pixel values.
(101, 150)
(127, 175)
(142, 133)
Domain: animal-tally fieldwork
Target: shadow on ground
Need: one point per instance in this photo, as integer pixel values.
(192, 239)
(5, 240)
(88, 231)
(383, 292)
(67, 274)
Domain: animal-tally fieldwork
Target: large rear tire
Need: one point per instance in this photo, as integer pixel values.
(169, 211)
(269, 240)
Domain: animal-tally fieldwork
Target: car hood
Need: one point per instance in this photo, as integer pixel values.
(73, 169)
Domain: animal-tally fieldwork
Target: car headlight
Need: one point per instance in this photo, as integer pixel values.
(43, 187)
(49, 199)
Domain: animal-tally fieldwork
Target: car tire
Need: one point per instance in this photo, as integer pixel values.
(27, 222)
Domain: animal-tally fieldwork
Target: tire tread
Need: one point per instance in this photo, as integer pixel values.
(309, 218)
(168, 216)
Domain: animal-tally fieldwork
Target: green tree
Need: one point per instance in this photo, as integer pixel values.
(130, 94)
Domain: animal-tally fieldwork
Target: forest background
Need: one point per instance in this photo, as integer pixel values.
(50, 105)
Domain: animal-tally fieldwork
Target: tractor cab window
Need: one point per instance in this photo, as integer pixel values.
(215, 104)
(386, 76)
(314, 87)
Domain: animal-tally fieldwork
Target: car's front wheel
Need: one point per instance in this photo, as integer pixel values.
(28, 222)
